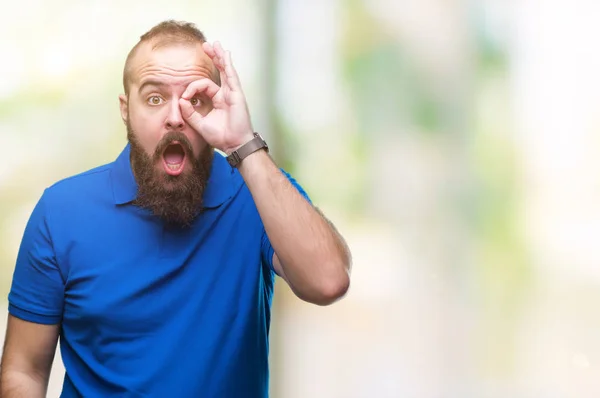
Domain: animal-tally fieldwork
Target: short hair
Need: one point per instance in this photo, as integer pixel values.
(165, 33)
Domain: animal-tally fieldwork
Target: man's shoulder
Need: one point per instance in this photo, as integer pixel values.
(77, 186)
(89, 177)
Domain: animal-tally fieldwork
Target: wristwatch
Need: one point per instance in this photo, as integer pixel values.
(249, 147)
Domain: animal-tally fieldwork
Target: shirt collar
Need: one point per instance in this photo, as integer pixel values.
(220, 187)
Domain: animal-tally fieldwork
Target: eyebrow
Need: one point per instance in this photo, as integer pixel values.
(148, 83)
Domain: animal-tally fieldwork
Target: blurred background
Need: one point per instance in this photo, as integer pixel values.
(454, 143)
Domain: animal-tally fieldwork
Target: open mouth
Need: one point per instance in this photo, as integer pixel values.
(174, 158)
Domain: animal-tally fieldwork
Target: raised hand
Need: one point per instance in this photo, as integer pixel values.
(227, 126)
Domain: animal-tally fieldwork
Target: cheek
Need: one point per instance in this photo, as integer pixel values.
(198, 144)
(146, 131)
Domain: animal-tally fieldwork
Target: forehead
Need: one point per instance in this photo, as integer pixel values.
(171, 64)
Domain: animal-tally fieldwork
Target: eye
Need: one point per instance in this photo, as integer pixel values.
(196, 101)
(155, 100)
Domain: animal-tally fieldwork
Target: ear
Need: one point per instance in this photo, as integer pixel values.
(124, 104)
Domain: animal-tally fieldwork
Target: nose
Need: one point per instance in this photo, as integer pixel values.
(174, 118)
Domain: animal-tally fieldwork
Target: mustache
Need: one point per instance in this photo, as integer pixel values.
(168, 139)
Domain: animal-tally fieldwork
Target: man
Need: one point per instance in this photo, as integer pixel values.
(157, 270)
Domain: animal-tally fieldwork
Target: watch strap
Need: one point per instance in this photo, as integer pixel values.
(248, 148)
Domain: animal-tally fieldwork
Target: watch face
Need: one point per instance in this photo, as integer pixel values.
(263, 143)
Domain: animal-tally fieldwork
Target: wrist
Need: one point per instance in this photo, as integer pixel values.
(236, 156)
(248, 137)
(254, 163)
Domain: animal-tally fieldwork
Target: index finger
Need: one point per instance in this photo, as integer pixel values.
(203, 85)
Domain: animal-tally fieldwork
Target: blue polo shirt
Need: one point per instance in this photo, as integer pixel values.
(148, 310)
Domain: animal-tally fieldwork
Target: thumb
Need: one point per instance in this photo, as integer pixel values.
(190, 115)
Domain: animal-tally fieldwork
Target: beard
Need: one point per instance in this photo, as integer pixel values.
(176, 199)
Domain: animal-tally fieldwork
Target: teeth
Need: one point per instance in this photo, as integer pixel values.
(173, 166)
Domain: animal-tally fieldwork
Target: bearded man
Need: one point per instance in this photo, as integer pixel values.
(156, 271)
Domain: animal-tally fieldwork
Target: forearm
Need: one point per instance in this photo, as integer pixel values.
(313, 256)
(15, 384)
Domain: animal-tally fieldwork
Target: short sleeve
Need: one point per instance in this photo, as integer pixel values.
(266, 248)
(37, 290)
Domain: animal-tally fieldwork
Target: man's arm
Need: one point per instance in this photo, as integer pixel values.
(309, 253)
(27, 358)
